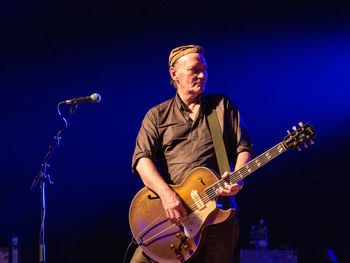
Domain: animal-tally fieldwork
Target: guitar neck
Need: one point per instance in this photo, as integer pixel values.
(247, 169)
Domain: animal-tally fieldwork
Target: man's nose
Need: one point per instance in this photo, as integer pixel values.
(201, 75)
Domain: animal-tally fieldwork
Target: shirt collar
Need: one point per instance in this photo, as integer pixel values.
(181, 105)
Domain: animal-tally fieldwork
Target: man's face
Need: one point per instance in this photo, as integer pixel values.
(191, 74)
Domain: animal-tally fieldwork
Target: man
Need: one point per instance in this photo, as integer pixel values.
(175, 138)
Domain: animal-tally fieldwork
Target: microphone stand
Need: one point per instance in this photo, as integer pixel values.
(42, 178)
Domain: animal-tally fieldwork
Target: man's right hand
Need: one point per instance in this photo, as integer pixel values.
(172, 204)
(173, 207)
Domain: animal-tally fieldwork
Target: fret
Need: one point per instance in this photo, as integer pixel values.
(248, 168)
(216, 186)
(244, 171)
(239, 175)
(222, 183)
(258, 163)
(280, 149)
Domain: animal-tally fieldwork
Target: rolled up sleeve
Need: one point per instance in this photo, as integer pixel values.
(147, 141)
(238, 132)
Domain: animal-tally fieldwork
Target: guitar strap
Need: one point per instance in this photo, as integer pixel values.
(226, 202)
(219, 146)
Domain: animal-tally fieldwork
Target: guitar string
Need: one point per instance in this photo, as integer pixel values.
(235, 177)
(161, 232)
(151, 224)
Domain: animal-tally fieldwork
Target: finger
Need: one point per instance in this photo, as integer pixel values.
(171, 215)
(227, 187)
(183, 213)
(237, 187)
(178, 218)
(235, 190)
(234, 186)
(231, 187)
(168, 213)
(225, 175)
(222, 191)
(179, 210)
(231, 190)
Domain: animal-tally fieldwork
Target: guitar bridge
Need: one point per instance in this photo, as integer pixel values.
(184, 246)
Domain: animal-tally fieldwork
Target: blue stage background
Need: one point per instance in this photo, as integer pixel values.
(280, 63)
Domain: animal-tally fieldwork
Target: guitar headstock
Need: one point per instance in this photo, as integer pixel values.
(299, 136)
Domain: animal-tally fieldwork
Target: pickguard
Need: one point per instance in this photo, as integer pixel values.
(194, 222)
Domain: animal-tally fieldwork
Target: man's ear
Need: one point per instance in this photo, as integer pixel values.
(173, 73)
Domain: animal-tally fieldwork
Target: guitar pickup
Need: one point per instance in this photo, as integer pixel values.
(197, 199)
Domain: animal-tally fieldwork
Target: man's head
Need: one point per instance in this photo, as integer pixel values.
(188, 69)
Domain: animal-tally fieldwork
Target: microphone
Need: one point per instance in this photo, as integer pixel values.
(92, 98)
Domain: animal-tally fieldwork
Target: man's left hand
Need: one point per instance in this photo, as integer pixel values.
(230, 189)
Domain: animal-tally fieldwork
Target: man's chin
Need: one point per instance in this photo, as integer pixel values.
(200, 86)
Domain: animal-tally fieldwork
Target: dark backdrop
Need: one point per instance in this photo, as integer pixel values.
(280, 63)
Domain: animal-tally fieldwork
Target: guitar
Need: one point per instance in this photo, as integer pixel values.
(166, 242)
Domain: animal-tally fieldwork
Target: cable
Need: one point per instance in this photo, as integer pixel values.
(132, 242)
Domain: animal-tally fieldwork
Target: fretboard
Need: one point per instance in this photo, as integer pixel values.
(247, 169)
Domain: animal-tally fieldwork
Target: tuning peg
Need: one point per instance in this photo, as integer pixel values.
(294, 128)
(305, 145)
(288, 131)
(301, 124)
(312, 142)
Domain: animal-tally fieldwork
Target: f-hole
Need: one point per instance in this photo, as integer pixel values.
(201, 180)
(153, 197)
